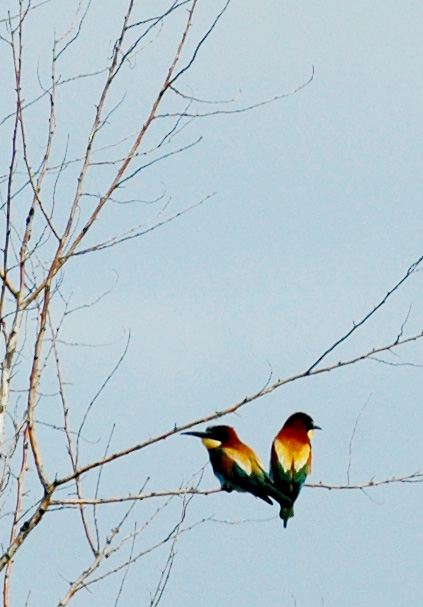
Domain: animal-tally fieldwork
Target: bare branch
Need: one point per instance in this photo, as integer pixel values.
(161, 17)
(27, 528)
(132, 498)
(125, 575)
(33, 387)
(136, 233)
(165, 574)
(97, 487)
(413, 268)
(176, 530)
(71, 449)
(232, 409)
(415, 477)
(19, 16)
(60, 257)
(18, 507)
(204, 101)
(241, 110)
(80, 581)
(200, 44)
(100, 390)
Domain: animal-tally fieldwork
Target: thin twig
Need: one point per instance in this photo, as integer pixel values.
(241, 110)
(80, 581)
(416, 477)
(71, 449)
(413, 268)
(125, 575)
(352, 438)
(97, 487)
(137, 233)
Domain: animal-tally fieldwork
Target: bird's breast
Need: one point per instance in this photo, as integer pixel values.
(292, 454)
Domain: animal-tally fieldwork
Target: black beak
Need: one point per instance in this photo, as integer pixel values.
(199, 434)
(316, 427)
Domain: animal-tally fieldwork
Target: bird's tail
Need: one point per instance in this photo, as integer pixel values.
(286, 514)
(283, 500)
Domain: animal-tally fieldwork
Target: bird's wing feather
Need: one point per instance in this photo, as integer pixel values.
(243, 470)
(240, 459)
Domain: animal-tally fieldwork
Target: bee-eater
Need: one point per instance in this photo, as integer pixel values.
(236, 466)
(290, 460)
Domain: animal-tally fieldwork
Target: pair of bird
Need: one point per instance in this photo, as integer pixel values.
(238, 468)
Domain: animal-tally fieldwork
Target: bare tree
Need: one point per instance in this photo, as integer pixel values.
(51, 208)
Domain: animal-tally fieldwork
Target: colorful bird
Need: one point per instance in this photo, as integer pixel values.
(290, 460)
(236, 466)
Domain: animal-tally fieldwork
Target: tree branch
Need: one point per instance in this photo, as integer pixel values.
(232, 409)
(415, 477)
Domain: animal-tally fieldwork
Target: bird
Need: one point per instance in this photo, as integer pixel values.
(290, 459)
(236, 466)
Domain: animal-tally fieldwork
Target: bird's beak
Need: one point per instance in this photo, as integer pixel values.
(310, 433)
(208, 442)
(199, 434)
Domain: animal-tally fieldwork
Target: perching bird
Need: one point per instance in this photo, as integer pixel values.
(290, 460)
(236, 466)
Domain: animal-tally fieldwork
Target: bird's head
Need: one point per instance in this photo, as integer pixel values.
(215, 436)
(302, 422)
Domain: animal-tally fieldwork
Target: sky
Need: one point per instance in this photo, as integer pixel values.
(316, 215)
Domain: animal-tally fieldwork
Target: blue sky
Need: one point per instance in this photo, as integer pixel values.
(317, 214)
